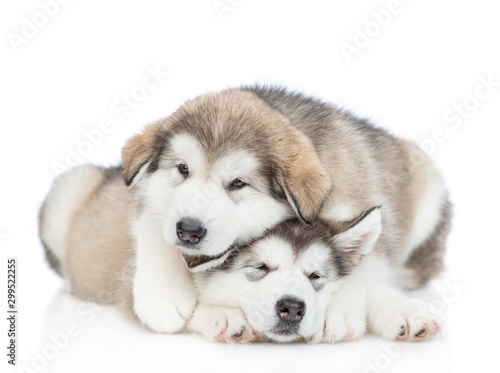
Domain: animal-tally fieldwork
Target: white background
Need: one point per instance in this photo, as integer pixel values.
(67, 76)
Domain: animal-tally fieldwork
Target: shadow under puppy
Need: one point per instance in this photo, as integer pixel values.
(280, 287)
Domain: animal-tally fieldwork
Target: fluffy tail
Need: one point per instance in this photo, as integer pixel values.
(68, 194)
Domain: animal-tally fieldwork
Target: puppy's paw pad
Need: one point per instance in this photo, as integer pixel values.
(403, 333)
(221, 335)
(223, 324)
(238, 328)
(423, 330)
(407, 326)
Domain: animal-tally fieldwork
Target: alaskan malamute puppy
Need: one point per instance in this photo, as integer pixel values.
(280, 287)
(221, 171)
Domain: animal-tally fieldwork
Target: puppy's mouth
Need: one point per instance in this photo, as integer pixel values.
(282, 332)
(286, 330)
(283, 336)
(198, 263)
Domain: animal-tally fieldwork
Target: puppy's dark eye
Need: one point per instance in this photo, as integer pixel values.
(237, 184)
(314, 276)
(183, 169)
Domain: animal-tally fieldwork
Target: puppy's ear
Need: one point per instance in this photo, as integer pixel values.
(305, 182)
(361, 234)
(138, 151)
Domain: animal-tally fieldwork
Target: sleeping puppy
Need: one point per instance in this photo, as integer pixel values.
(280, 288)
(221, 171)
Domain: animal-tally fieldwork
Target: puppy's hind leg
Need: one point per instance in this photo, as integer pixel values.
(427, 260)
(69, 192)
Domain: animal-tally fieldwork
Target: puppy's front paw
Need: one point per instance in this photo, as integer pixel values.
(408, 321)
(342, 323)
(164, 310)
(223, 324)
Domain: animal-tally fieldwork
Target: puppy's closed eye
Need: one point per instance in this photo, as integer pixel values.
(256, 272)
(262, 267)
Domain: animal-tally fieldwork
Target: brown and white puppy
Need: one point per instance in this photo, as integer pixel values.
(223, 169)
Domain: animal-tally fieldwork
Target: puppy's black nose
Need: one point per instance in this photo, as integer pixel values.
(190, 231)
(290, 309)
